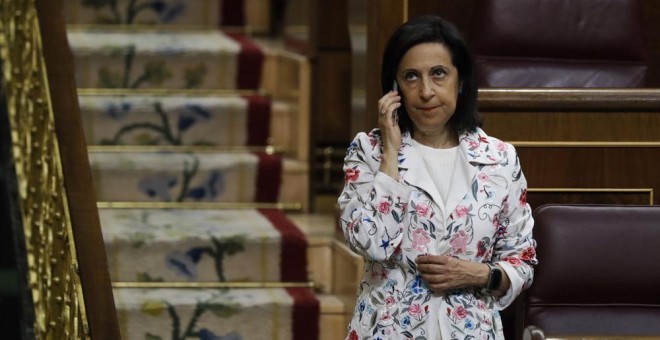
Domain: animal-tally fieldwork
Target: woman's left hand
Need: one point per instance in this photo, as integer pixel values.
(442, 272)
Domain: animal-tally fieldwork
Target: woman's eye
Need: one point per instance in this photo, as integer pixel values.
(439, 73)
(410, 76)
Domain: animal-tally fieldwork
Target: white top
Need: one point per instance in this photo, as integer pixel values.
(440, 164)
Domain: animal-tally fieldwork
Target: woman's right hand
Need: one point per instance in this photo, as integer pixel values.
(389, 128)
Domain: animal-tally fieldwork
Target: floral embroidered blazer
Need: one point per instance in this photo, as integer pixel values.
(390, 222)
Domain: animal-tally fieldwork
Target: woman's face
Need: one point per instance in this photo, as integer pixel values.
(428, 82)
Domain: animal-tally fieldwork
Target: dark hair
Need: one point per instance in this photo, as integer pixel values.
(428, 29)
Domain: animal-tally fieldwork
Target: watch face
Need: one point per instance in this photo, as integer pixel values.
(495, 278)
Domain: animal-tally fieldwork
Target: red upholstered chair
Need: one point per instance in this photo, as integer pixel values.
(559, 43)
(598, 271)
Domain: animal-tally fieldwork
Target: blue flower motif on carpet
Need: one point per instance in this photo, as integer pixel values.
(192, 114)
(158, 186)
(182, 264)
(209, 189)
(205, 334)
(117, 111)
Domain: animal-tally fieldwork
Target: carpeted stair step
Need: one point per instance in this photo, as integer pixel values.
(251, 14)
(231, 314)
(203, 245)
(171, 118)
(135, 175)
(108, 57)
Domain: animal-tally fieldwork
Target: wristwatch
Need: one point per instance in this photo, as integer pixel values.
(494, 277)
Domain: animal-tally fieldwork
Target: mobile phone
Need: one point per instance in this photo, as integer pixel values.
(395, 114)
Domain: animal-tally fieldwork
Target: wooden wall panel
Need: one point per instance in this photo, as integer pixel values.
(651, 12)
(537, 198)
(572, 115)
(330, 56)
(593, 167)
(332, 99)
(573, 126)
(383, 18)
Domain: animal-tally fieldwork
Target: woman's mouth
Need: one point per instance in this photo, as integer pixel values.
(427, 109)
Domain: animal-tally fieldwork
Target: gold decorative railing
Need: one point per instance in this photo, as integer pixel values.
(52, 263)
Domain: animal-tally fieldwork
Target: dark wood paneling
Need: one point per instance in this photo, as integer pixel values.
(573, 126)
(627, 197)
(94, 274)
(592, 167)
(459, 12)
(331, 72)
(651, 13)
(383, 18)
(332, 99)
(571, 115)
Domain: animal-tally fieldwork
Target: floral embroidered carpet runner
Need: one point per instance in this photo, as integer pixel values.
(173, 112)
(194, 245)
(211, 119)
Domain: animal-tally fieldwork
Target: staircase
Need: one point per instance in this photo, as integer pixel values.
(197, 132)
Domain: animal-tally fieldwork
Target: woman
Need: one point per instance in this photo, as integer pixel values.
(435, 206)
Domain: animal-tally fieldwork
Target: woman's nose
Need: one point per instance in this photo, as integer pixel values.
(426, 90)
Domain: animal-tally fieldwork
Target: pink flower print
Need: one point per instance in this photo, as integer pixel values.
(523, 198)
(528, 254)
(389, 301)
(513, 261)
(373, 142)
(482, 248)
(486, 323)
(386, 319)
(388, 330)
(460, 312)
(505, 206)
(481, 305)
(459, 242)
(496, 221)
(500, 146)
(473, 144)
(420, 240)
(422, 210)
(352, 174)
(384, 207)
(461, 211)
(482, 177)
(415, 310)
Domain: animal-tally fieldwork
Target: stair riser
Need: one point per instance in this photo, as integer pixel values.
(206, 13)
(217, 121)
(174, 12)
(161, 177)
(256, 262)
(142, 312)
(228, 184)
(210, 71)
(154, 177)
